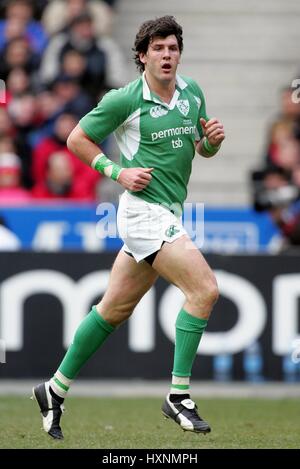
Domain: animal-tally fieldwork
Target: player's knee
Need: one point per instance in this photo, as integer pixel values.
(205, 296)
(121, 316)
(213, 292)
(116, 312)
(116, 316)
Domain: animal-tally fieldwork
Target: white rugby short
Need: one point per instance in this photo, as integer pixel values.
(144, 226)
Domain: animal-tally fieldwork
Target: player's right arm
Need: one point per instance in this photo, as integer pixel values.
(133, 179)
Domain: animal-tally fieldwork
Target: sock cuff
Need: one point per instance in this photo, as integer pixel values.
(58, 375)
(101, 321)
(60, 384)
(180, 380)
(187, 322)
(58, 387)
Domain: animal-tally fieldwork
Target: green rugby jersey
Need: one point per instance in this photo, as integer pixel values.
(152, 134)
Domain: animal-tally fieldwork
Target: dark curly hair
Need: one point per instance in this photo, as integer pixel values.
(161, 27)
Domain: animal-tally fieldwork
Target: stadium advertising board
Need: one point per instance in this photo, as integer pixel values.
(92, 228)
(253, 333)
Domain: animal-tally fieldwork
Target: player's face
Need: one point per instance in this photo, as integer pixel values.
(162, 58)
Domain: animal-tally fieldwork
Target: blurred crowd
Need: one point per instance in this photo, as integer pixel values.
(276, 185)
(58, 58)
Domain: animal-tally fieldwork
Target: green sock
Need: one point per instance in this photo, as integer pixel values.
(189, 330)
(91, 333)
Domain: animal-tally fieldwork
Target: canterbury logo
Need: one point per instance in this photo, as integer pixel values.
(158, 111)
(171, 231)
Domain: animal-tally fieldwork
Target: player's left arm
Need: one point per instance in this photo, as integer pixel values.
(213, 136)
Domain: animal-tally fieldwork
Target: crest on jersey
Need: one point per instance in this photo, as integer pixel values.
(183, 106)
(171, 231)
(158, 111)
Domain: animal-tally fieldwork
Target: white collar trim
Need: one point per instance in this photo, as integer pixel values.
(147, 93)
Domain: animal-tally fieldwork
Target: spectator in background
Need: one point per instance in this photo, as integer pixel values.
(49, 108)
(6, 144)
(105, 66)
(283, 135)
(6, 125)
(83, 175)
(278, 195)
(17, 84)
(289, 108)
(59, 13)
(72, 98)
(11, 190)
(286, 150)
(276, 187)
(19, 18)
(18, 54)
(56, 142)
(13, 28)
(23, 112)
(74, 64)
(283, 146)
(60, 182)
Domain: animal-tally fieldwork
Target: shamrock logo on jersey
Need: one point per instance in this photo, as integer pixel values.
(171, 231)
(183, 106)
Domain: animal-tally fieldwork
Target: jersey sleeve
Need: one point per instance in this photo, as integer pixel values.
(200, 100)
(202, 113)
(107, 116)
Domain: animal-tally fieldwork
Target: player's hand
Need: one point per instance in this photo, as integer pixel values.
(213, 130)
(135, 179)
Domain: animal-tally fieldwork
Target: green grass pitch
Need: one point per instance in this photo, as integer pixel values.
(138, 423)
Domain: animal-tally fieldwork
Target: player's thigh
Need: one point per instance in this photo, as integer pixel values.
(182, 264)
(128, 282)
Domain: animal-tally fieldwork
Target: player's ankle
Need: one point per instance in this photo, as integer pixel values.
(59, 399)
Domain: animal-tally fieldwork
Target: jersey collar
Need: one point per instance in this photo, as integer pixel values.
(148, 96)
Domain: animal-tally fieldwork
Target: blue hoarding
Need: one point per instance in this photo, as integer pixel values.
(89, 227)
